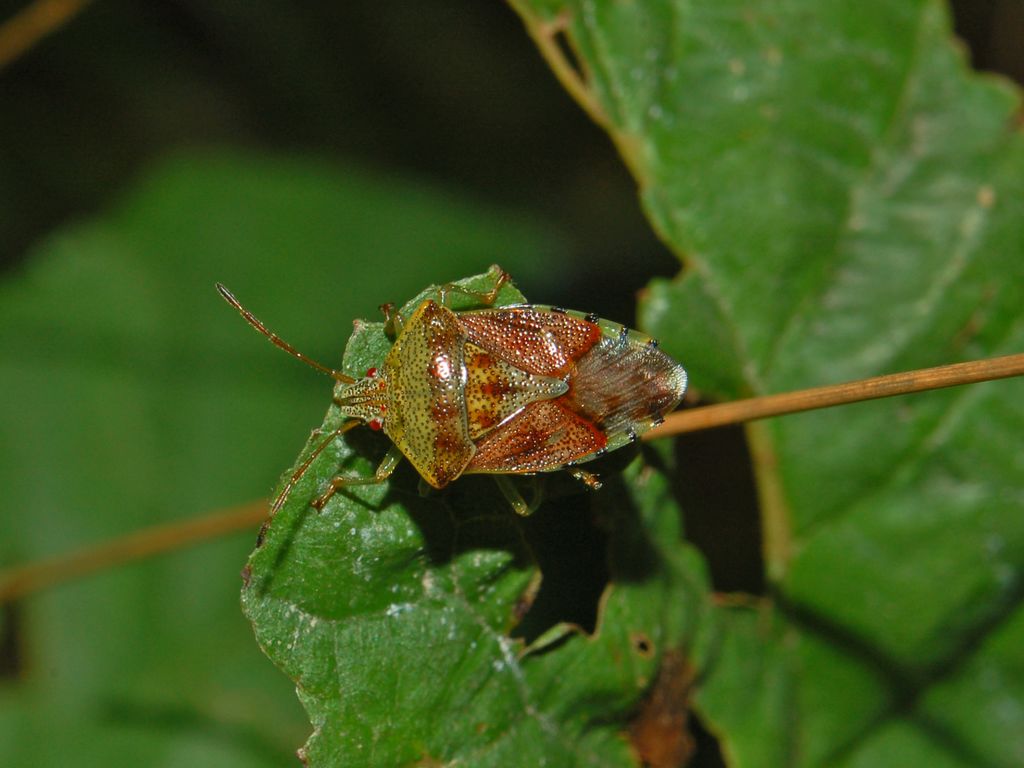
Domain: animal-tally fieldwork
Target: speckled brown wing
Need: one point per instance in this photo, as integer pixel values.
(538, 341)
(544, 436)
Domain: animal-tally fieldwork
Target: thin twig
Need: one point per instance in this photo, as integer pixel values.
(954, 375)
(21, 580)
(34, 22)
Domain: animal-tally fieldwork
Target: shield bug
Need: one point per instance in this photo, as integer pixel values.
(500, 390)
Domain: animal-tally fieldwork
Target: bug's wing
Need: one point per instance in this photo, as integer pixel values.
(626, 385)
(619, 385)
(544, 436)
(537, 340)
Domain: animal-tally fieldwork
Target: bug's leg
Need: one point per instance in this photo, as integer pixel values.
(486, 298)
(297, 475)
(387, 466)
(589, 479)
(393, 320)
(513, 496)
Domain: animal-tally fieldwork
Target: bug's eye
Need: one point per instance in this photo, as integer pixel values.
(374, 424)
(371, 372)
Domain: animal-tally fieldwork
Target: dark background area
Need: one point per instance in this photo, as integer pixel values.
(452, 92)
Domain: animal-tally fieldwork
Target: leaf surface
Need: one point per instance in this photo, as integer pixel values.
(394, 612)
(845, 196)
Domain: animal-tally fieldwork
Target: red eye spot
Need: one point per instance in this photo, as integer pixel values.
(374, 424)
(371, 372)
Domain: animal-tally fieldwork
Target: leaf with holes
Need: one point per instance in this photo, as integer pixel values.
(846, 196)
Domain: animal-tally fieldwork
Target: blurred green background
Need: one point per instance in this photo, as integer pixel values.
(319, 158)
(451, 93)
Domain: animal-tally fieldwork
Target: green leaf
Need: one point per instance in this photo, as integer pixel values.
(134, 396)
(846, 196)
(393, 612)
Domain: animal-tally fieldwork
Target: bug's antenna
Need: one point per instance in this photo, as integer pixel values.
(277, 340)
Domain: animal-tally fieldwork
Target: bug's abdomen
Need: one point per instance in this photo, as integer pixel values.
(426, 415)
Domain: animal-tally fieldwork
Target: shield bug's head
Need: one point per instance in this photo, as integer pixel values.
(364, 399)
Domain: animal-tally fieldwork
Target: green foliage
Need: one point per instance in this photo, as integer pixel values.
(846, 195)
(392, 612)
(133, 396)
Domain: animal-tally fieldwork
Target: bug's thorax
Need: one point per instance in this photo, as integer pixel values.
(426, 375)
